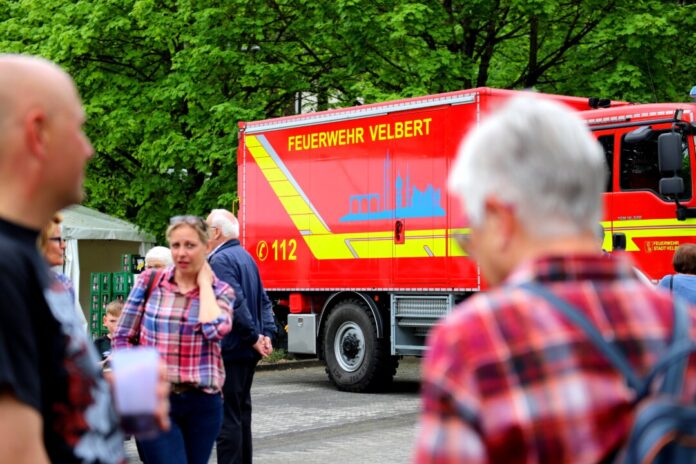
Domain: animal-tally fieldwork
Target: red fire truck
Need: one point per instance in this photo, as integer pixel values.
(348, 217)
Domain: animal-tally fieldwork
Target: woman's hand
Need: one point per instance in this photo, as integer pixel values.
(205, 276)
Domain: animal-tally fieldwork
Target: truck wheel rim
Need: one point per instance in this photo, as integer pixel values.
(349, 346)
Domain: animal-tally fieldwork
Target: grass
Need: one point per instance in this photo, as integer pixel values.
(278, 355)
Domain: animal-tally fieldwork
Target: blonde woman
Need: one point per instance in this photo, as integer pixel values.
(183, 311)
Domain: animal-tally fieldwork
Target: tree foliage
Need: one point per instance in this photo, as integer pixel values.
(166, 81)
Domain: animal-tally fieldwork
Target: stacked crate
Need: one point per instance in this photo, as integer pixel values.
(121, 284)
(108, 286)
(99, 297)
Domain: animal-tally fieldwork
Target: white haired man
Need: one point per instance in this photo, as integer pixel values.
(251, 337)
(507, 377)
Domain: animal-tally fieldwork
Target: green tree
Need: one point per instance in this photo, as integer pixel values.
(166, 81)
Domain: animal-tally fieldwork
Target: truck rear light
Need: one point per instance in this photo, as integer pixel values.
(299, 303)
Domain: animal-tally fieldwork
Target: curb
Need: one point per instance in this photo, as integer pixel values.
(281, 366)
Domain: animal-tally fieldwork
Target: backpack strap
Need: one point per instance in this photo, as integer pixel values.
(673, 363)
(671, 283)
(612, 353)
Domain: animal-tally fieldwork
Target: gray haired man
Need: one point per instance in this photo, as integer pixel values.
(507, 377)
(251, 337)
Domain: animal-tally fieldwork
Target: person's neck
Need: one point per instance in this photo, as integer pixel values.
(537, 247)
(185, 281)
(19, 206)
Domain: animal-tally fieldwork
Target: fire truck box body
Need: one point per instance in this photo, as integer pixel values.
(348, 217)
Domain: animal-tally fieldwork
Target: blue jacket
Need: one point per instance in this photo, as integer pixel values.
(683, 285)
(253, 313)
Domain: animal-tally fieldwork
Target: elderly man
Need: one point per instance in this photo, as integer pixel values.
(507, 377)
(54, 404)
(250, 339)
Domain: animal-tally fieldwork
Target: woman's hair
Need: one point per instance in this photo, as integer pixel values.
(195, 222)
(45, 233)
(684, 260)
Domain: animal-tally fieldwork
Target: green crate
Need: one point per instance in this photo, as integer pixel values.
(95, 308)
(94, 282)
(105, 283)
(104, 299)
(121, 296)
(121, 282)
(95, 329)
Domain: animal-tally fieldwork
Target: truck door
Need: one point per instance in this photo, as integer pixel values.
(646, 219)
(607, 240)
(418, 179)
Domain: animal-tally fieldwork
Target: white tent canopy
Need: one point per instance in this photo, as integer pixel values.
(94, 243)
(80, 222)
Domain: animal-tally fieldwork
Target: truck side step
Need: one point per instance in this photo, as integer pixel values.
(412, 316)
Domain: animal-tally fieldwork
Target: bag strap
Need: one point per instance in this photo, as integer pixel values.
(576, 317)
(671, 283)
(150, 283)
(154, 277)
(673, 363)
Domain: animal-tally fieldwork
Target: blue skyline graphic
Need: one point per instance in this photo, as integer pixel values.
(408, 201)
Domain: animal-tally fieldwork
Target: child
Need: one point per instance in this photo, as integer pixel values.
(103, 344)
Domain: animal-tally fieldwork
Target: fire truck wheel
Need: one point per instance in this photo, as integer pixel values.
(356, 360)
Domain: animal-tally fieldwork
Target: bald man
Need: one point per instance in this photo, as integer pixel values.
(54, 404)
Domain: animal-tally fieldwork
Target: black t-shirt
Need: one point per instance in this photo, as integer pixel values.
(47, 360)
(103, 346)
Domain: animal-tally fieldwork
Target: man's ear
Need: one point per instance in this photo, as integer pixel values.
(35, 132)
(503, 220)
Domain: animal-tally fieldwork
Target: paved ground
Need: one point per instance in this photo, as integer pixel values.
(299, 417)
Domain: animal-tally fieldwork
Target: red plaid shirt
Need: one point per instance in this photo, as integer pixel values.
(191, 349)
(508, 379)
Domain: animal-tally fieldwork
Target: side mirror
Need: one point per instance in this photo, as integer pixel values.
(669, 152)
(671, 186)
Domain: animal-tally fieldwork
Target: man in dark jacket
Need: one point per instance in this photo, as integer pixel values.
(250, 339)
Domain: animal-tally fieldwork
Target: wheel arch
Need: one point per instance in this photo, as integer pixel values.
(337, 297)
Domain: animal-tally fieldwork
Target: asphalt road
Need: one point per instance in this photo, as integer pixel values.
(299, 417)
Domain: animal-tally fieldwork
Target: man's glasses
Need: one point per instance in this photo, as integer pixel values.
(56, 239)
(190, 220)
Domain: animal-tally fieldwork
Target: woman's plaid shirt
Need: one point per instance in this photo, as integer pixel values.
(169, 323)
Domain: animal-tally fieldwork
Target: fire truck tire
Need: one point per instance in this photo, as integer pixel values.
(356, 359)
